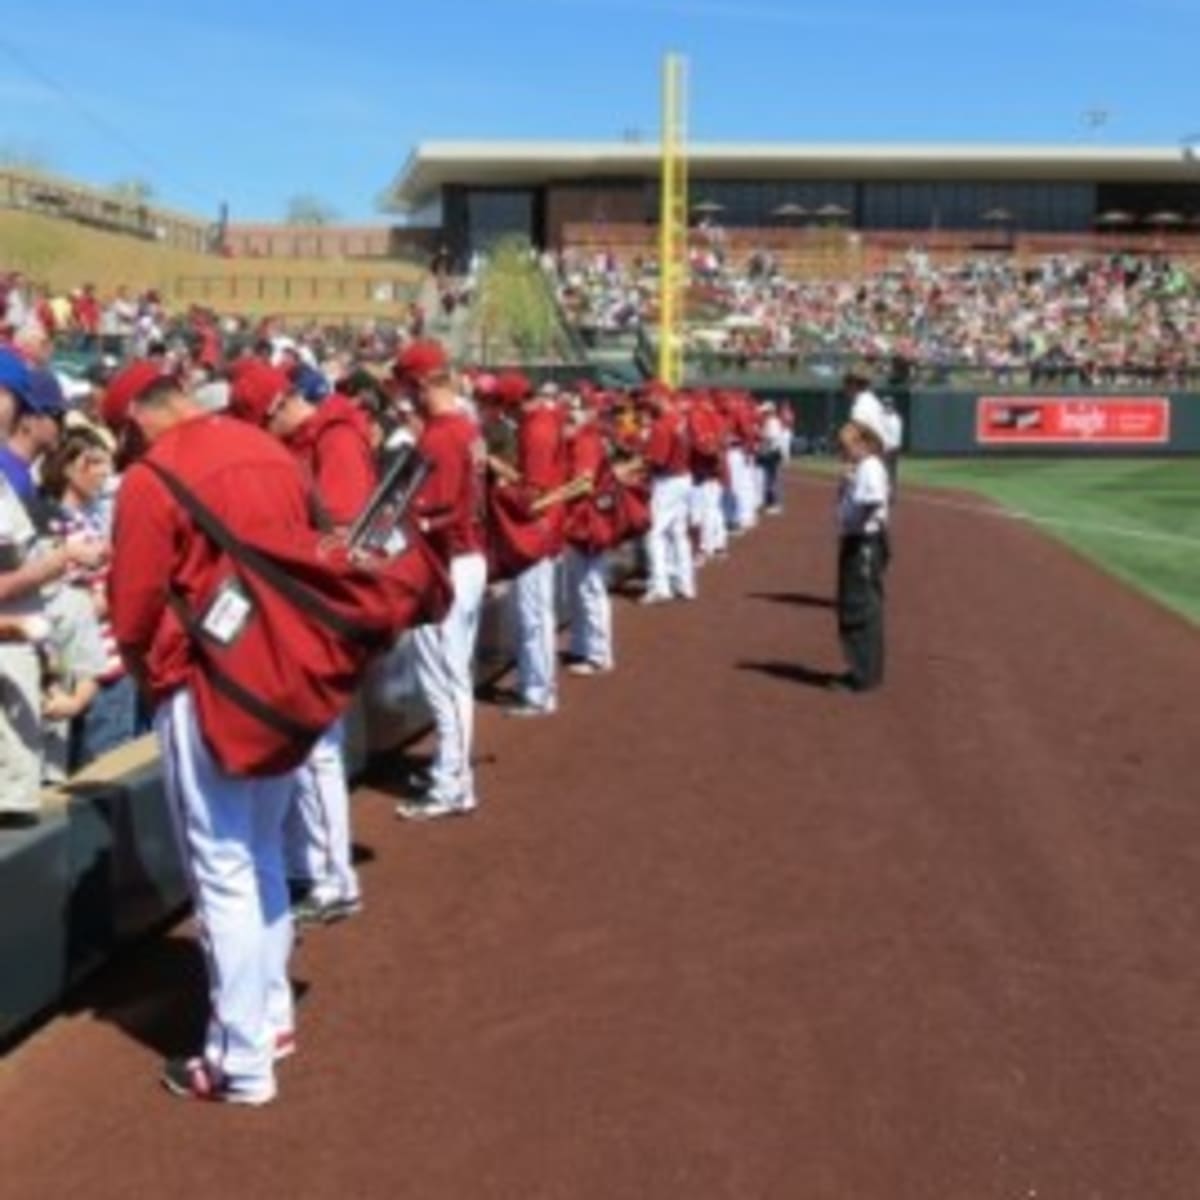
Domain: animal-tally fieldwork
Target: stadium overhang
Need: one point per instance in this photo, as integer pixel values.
(433, 166)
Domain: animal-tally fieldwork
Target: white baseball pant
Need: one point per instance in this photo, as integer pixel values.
(714, 536)
(537, 635)
(736, 462)
(445, 661)
(317, 831)
(667, 545)
(230, 832)
(590, 608)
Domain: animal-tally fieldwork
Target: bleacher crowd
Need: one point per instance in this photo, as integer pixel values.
(1105, 320)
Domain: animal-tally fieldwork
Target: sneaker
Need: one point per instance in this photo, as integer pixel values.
(655, 598)
(196, 1079)
(430, 808)
(774, 510)
(315, 910)
(285, 1044)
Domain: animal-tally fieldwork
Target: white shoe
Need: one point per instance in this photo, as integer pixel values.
(654, 598)
(588, 668)
(430, 808)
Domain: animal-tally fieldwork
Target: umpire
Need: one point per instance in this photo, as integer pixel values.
(863, 552)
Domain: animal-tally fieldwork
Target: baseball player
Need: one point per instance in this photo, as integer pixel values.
(542, 466)
(708, 435)
(668, 548)
(330, 442)
(230, 827)
(448, 510)
(591, 636)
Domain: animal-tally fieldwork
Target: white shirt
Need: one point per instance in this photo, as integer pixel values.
(867, 409)
(863, 499)
(893, 430)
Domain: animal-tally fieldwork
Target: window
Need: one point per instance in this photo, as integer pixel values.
(493, 215)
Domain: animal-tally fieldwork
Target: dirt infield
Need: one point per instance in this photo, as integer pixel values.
(717, 932)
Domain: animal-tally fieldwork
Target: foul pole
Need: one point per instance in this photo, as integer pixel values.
(673, 222)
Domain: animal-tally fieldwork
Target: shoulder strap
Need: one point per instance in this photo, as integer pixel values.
(229, 687)
(259, 564)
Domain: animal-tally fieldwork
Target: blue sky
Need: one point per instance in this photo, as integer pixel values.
(252, 102)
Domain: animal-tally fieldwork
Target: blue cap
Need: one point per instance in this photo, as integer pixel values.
(14, 375)
(310, 383)
(45, 394)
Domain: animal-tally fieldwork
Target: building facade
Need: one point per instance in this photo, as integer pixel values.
(481, 192)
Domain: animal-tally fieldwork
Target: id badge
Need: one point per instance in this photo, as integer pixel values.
(228, 614)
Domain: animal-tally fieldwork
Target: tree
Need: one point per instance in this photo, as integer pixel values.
(514, 316)
(307, 209)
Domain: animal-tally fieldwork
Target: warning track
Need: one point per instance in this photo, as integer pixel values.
(717, 932)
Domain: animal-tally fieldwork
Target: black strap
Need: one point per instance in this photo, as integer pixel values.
(300, 596)
(246, 700)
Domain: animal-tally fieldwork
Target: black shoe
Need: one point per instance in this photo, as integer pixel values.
(19, 820)
(844, 683)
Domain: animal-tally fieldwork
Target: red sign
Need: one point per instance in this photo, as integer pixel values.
(1059, 421)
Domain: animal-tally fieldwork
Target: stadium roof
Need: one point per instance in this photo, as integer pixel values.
(432, 165)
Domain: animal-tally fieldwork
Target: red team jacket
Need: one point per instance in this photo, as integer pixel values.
(668, 451)
(334, 449)
(247, 478)
(450, 503)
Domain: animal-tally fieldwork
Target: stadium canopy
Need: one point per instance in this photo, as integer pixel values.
(433, 166)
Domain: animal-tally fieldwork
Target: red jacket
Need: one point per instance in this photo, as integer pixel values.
(668, 451)
(587, 454)
(541, 449)
(450, 503)
(334, 449)
(247, 478)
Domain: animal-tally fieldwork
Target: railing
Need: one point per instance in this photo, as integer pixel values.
(365, 295)
(46, 195)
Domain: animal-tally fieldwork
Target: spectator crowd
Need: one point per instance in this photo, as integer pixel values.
(1098, 320)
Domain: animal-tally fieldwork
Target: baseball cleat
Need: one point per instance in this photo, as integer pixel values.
(588, 668)
(529, 710)
(196, 1079)
(313, 910)
(431, 808)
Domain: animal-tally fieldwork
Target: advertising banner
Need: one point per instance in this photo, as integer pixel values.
(1073, 421)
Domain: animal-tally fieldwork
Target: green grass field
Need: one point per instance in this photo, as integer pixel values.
(1138, 519)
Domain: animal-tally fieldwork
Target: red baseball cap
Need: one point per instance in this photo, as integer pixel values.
(256, 388)
(420, 358)
(125, 387)
(512, 388)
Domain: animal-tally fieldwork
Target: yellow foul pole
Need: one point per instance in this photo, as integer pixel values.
(673, 222)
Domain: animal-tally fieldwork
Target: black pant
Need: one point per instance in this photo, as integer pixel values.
(770, 464)
(862, 561)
